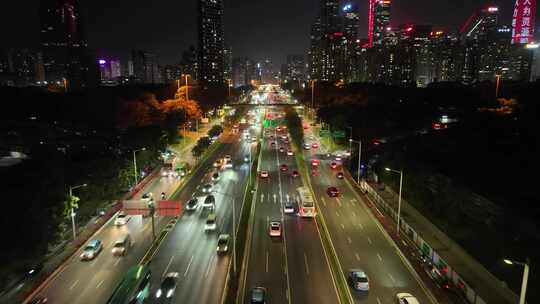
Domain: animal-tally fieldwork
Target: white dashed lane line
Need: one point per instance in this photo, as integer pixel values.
(380, 257)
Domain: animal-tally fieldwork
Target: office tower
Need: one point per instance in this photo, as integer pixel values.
(63, 44)
(211, 42)
(227, 63)
(145, 67)
(116, 70)
(523, 21)
(243, 71)
(378, 20)
(444, 55)
(189, 63)
(294, 70)
(350, 29)
(316, 50)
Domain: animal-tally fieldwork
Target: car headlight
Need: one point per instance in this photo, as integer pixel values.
(158, 293)
(169, 293)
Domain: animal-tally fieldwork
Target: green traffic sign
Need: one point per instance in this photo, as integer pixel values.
(339, 134)
(324, 133)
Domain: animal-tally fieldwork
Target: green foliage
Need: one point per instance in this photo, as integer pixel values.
(215, 131)
(294, 123)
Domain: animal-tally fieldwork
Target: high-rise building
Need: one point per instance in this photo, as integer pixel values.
(350, 29)
(378, 21)
(243, 71)
(190, 63)
(227, 63)
(316, 50)
(294, 71)
(64, 46)
(211, 42)
(145, 67)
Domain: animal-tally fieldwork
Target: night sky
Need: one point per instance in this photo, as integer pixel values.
(254, 28)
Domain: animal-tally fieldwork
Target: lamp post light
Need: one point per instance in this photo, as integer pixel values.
(359, 156)
(72, 209)
(399, 199)
(187, 87)
(135, 164)
(525, 279)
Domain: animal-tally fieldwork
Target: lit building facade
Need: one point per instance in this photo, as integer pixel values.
(378, 21)
(211, 66)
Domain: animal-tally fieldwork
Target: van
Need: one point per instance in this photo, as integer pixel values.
(209, 202)
(210, 222)
(122, 245)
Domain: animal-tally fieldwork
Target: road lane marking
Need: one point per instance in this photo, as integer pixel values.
(324, 201)
(353, 201)
(337, 213)
(349, 240)
(369, 240)
(74, 284)
(392, 278)
(262, 197)
(361, 226)
(306, 263)
(342, 226)
(168, 265)
(379, 256)
(354, 214)
(338, 202)
(267, 261)
(357, 256)
(188, 265)
(209, 266)
(99, 284)
(117, 261)
(378, 301)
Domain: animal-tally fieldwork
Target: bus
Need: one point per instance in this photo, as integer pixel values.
(134, 287)
(306, 205)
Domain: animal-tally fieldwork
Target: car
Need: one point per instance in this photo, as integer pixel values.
(273, 144)
(207, 188)
(315, 145)
(283, 167)
(210, 224)
(264, 174)
(218, 163)
(307, 146)
(227, 157)
(92, 249)
(275, 228)
(286, 140)
(192, 204)
(406, 298)
(295, 173)
(272, 137)
(314, 172)
(278, 129)
(121, 219)
(333, 165)
(215, 176)
(209, 202)
(332, 191)
(228, 164)
(337, 158)
(358, 279)
(289, 207)
(315, 162)
(223, 243)
(290, 152)
(340, 175)
(38, 300)
(147, 196)
(281, 150)
(258, 295)
(167, 286)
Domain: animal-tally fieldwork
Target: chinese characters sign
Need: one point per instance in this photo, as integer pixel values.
(523, 21)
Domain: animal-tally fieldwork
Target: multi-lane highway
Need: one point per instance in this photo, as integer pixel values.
(292, 268)
(188, 249)
(94, 281)
(357, 238)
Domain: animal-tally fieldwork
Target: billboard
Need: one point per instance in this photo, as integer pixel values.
(523, 21)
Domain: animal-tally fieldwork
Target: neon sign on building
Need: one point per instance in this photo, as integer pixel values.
(523, 21)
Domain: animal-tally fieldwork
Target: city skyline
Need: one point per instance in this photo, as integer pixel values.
(255, 42)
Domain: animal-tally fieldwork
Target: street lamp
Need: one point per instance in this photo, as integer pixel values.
(359, 155)
(399, 199)
(498, 76)
(187, 87)
(525, 277)
(135, 164)
(72, 209)
(312, 99)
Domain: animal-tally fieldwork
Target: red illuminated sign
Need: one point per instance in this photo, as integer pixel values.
(523, 21)
(371, 21)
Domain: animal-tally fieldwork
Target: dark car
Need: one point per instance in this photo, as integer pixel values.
(283, 167)
(168, 285)
(295, 173)
(192, 204)
(332, 191)
(258, 295)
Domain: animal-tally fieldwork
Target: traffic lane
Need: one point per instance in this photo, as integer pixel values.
(200, 246)
(361, 244)
(266, 264)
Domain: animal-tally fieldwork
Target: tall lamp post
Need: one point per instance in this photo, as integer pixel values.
(399, 199)
(497, 86)
(187, 87)
(525, 277)
(313, 99)
(135, 164)
(359, 142)
(72, 209)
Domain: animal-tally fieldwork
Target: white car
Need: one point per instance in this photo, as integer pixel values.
(289, 207)
(207, 188)
(228, 164)
(406, 298)
(121, 219)
(275, 228)
(307, 146)
(290, 152)
(358, 279)
(264, 174)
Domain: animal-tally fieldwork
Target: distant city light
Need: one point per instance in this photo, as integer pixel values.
(409, 29)
(101, 61)
(493, 9)
(531, 45)
(388, 28)
(347, 7)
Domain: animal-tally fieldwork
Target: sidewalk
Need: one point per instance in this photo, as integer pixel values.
(476, 283)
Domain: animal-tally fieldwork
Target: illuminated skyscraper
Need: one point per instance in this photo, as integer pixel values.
(378, 21)
(63, 43)
(316, 50)
(211, 42)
